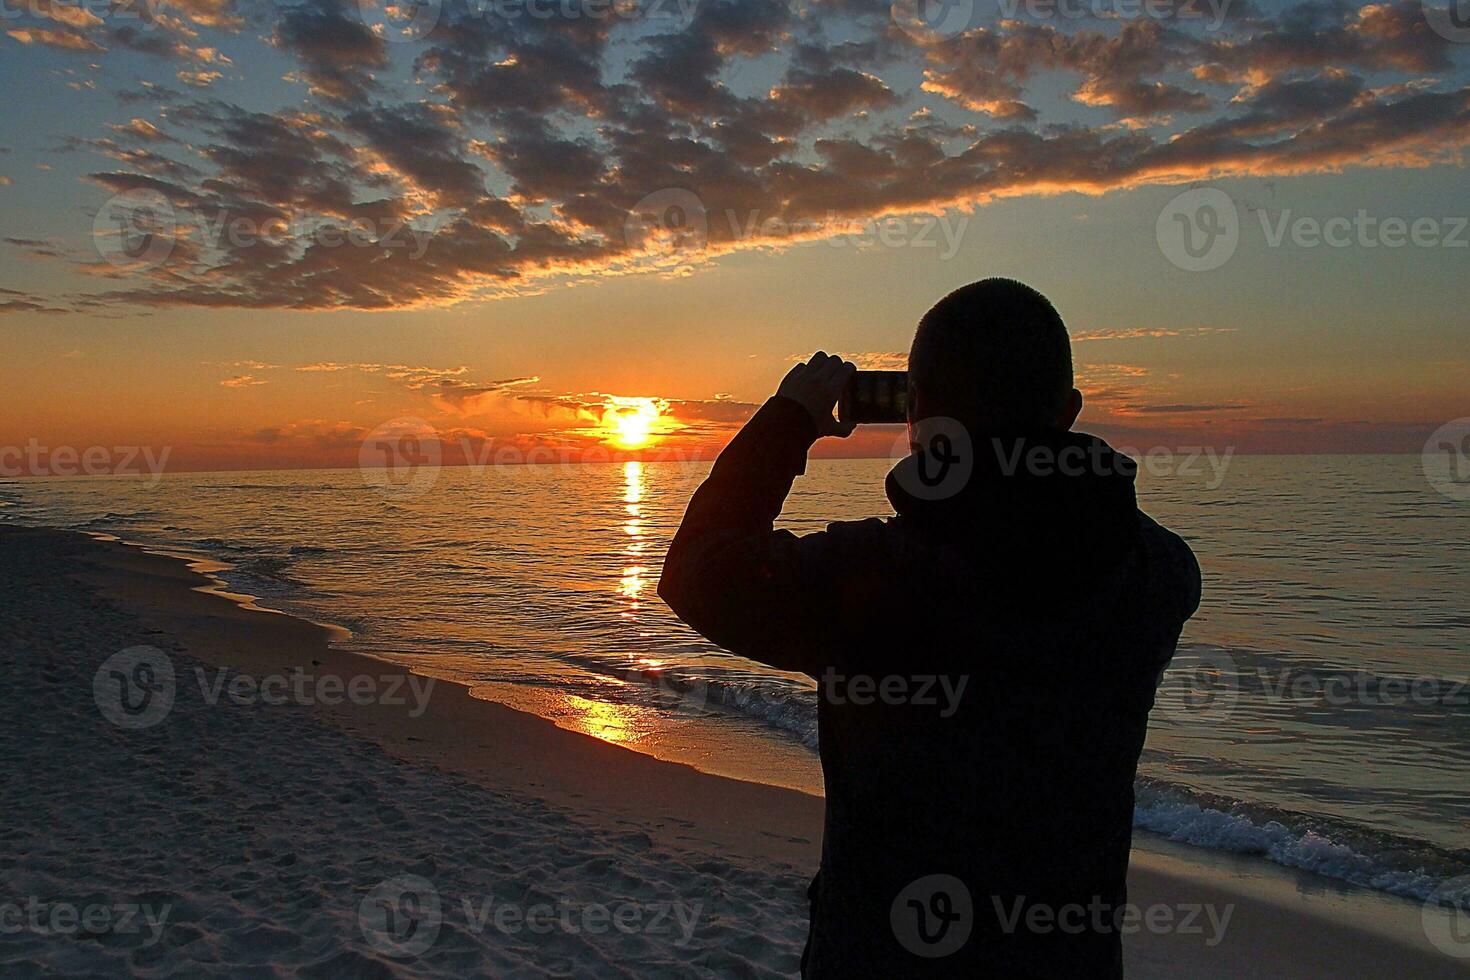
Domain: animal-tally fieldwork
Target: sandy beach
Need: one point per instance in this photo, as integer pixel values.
(197, 786)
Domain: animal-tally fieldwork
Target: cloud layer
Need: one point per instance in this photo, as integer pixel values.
(473, 154)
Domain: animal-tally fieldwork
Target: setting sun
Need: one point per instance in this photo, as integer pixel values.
(633, 429)
(630, 421)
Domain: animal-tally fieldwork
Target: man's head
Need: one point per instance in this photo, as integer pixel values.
(995, 356)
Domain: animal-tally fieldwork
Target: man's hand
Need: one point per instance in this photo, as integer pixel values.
(816, 386)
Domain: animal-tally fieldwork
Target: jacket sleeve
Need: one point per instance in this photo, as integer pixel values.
(1175, 570)
(761, 593)
(1174, 586)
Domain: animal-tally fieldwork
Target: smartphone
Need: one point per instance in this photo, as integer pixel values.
(875, 397)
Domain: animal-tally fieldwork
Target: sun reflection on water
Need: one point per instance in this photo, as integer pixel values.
(601, 719)
(633, 580)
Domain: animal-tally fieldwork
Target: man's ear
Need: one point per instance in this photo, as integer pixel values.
(1073, 408)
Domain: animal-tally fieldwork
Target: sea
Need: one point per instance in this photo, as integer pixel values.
(1317, 714)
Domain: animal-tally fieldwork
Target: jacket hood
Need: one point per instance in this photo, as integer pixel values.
(1059, 503)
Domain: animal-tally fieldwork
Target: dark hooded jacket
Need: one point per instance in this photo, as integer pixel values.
(985, 662)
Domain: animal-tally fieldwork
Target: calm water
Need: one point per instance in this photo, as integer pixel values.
(1317, 714)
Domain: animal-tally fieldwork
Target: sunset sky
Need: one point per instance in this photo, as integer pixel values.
(503, 175)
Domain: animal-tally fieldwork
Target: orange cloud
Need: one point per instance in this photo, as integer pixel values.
(1147, 333)
(65, 40)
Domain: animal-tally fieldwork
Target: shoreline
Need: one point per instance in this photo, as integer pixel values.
(217, 626)
(683, 809)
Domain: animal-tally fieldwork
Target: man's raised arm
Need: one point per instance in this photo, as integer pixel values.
(761, 593)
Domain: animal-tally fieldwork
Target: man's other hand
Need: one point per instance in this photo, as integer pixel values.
(816, 386)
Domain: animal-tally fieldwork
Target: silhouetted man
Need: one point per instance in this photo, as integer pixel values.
(986, 659)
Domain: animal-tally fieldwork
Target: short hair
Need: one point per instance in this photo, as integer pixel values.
(994, 353)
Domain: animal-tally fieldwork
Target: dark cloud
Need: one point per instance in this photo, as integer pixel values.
(1181, 409)
(422, 143)
(172, 44)
(38, 247)
(723, 411)
(15, 301)
(1387, 36)
(838, 92)
(543, 164)
(984, 69)
(337, 50)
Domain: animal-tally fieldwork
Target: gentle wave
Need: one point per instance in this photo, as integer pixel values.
(1398, 866)
(1294, 677)
(113, 519)
(792, 712)
(274, 487)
